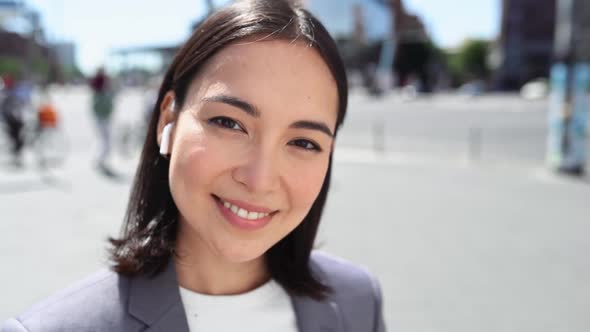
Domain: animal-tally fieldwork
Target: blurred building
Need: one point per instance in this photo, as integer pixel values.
(525, 45)
(10, 9)
(16, 17)
(415, 62)
(18, 46)
(361, 29)
(581, 30)
(365, 33)
(24, 50)
(408, 27)
(64, 53)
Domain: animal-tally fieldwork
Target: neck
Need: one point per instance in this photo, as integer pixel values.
(200, 270)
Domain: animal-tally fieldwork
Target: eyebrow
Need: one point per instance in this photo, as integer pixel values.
(235, 102)
(253, 111)
(312, 125)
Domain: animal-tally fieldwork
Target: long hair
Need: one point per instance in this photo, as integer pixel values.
(150, 226)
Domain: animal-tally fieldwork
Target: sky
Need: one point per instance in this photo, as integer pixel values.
(98, 27)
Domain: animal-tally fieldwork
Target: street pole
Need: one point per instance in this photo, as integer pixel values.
(570, 89)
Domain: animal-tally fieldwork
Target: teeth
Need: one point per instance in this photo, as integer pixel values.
(242, 213)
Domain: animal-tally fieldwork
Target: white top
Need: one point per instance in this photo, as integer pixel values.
(267, 308)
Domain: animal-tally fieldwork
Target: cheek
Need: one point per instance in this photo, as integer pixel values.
(200, 162)
(305, 183)
(195, 163)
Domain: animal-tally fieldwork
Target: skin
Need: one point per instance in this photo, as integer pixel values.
(272, 159)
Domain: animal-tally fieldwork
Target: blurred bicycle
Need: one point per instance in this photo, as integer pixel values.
(49, 139)
(130, 136)
(35, 130)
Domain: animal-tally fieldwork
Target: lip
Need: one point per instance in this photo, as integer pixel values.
(241, 223)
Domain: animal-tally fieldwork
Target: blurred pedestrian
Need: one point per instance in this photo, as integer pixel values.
(14, 104)
(102, 107)
(232, 181)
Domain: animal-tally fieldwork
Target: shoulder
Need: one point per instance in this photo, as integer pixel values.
(97, 303)
(356, 290)
(350, 283)
(343, 276)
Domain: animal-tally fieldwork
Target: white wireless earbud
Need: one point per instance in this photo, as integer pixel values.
(165, 143)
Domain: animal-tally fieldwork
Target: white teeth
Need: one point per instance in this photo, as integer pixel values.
(243, 213)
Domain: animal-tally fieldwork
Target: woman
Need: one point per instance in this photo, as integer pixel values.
(229, 192)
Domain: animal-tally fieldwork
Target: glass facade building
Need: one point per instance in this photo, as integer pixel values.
(364, 31)
(345, 17)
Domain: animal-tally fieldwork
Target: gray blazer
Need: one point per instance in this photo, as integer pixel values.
(109, 302)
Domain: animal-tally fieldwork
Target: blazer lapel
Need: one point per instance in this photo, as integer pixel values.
(316, 316)
(156, 302)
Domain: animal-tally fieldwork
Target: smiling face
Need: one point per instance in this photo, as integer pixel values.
(251, 146)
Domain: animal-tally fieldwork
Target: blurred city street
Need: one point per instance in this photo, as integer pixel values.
(445, 198)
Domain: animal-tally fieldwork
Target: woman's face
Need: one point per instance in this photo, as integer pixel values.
(251, 147)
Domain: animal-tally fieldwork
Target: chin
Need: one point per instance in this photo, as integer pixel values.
(239, 254)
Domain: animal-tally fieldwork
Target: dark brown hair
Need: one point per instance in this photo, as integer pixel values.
(150, 226)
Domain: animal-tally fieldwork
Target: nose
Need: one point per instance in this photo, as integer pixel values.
(259, 172)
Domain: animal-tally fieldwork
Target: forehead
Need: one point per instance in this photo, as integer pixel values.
(271, 74)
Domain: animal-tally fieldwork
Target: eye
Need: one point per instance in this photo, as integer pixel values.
(225, 122)
(306, 145)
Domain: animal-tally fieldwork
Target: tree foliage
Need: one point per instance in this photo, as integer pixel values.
(10, 66)
(470, 60)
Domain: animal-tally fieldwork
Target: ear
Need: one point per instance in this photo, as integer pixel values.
(168, 113)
